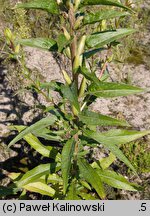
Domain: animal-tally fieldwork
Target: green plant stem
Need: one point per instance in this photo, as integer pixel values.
(73, 46)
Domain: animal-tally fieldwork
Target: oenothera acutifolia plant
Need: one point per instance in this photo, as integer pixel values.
(70, 122)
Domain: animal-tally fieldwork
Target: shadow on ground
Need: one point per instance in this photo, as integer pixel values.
(20, 156)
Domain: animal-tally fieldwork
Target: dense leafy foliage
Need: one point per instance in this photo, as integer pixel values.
(71, 123)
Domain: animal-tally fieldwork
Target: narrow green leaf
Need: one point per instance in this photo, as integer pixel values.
(41, 124)
(36, 173)
(15, 176)
(70, 93)
(90, 53)
(93, 118)
(110, 89)
(116, 180)
(72, 193)
(110, 146)
(52, 179)
(85, 184)
(103, 2)
(67, 154)
(23, 195)
(41, 43)
(47, 134)
(47, 5)
(113, 138)
(46, 151)
(100, 39)
(119, 136)
(107, 161)
(33, 141)
(41, 188)
(102, 15)
(89, 174)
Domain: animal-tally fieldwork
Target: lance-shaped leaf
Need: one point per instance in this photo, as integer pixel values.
(41, 188)
(52, 179)
(102, 15)
(34, 174)
(85, 184)
(15, 176)
(103, 2)
(89, 174)
(41, 43)
(70, 93)
(90, 53)
(33, 141)
(46, 151)
(100, 39)
(45, 122)
(67, 154)
(47, 5)
(110, 89)
(118, 136)
(113, 138)
(48, 134)
(107, 161)
(116, 180)
(93, 118)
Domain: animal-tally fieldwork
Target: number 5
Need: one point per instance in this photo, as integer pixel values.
(143, 207)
